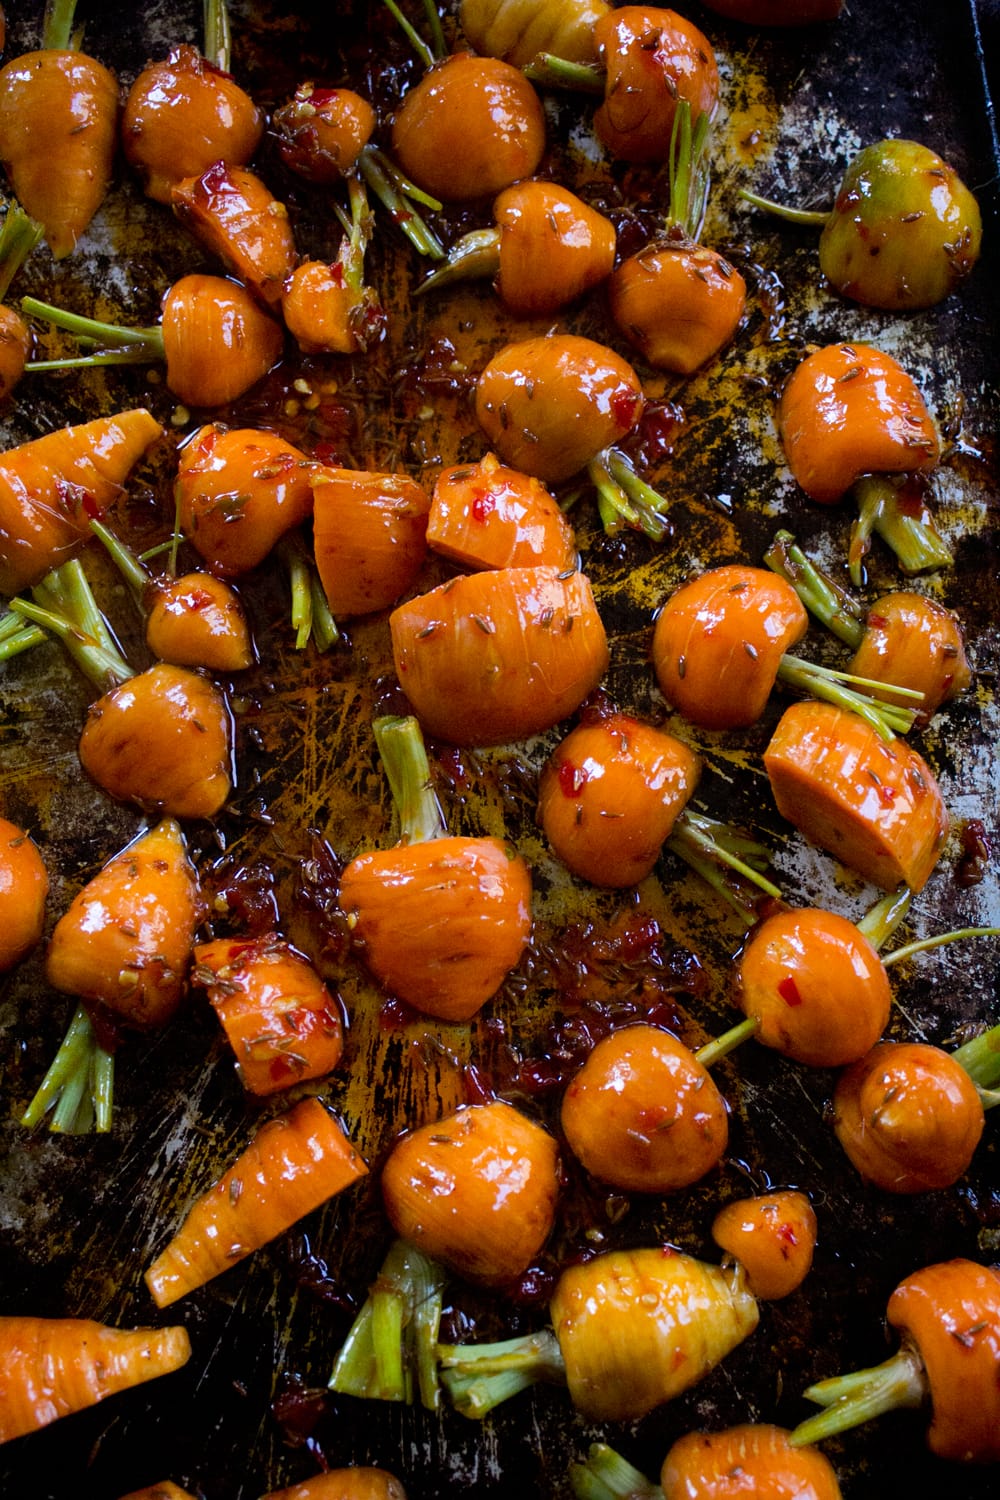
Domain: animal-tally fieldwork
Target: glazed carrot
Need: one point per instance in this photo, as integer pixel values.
(163, 740)
(24, 887)
(652, 58)
(470, 127)
(280, 1019)
(15, 346)
(50, 489)
(849, 410)
(440, 921)
(370, 537)
(610, 794)
(18, 238)
(547, 249)
(643, 1114)
(197, 620)
(755, 1459)
(773, 1237)
(815, 986)
(356, 1483)
(875, 806)
(631, 1329)
(51, 1367)
(295, 1163)
(329, 308)
(517, 30)
(493, 657)
(486, 515)
(390, 1353)
(475, 1191)
(58, 128)
(167, 1490)
(233, 213)
(322, 131)
(238, 491)
(551, 405)
(948, 1317)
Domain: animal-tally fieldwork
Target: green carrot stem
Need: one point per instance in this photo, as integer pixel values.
(478, 1377)
(624, 499)
(473, 257)
(813, 217)
(112, 338)
(358, 233)
(424, 50)
(980, 1058)
(218, 38)
(924, 945)
(718, 841)
(324, 626)
(17, 635)
(407, 769)
(606, 1475)
(688, 175)
(124, 559)
(398, 194)
(832, 605)
(95, 663)
(850, 1400)
(558, 72)
(18, 237)
(915, 540)
(79, 1084)
(886, 719)
(881, 920)
(391, 1349)
(57, 25)
(64, 604)
(721, 1046)
(310, 611)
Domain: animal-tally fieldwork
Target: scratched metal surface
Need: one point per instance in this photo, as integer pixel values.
(80, 1219)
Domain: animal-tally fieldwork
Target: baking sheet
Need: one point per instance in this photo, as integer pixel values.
(80, 1219)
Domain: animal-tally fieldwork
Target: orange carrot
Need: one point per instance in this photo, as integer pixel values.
(163, 740)
(912, 642)
(678, 302)
(321, 131)
(51, 1367)
(24, 887)
(167, 1490)
(550, 405)
(125, 940)
(755, 1459)
(494, 657)
(518, 32)
(325, 314)
(370, 536)
(874, 805)
(643, 1114)
(50, 489)
(183, 115)
(475, 1190)
(235, 215)
(357, 1483)
(280, 1019)
(197, 620)
(238, 491)
(294, 1164)
(773, 1237)
(610, 794)
(470, 127)
(849, 410)
(15, 346)
(486, 515)
(815, 986)
(653, 58)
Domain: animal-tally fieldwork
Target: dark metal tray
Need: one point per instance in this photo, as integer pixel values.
(81, 1218)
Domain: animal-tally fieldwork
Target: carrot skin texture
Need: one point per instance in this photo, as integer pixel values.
(321, 132)
(518, 32)
(51, 487)
(52, 1367)
(475, 1191)
(162, 740)
(486, 515)
(773, 1237)
(217, 340)
(15, 346)
(912, 642)
(638, 1327)
(874, 806)
(653, 57)
(181, 116)
(678, 303)
(235, 215)
(294, 1164)
(58, 129)
(125, 940)
(358, 1483)
(370, 538)
(496, 656)
(440, 924)
(24, 887)
(951, 1312)
(849, 410)
(553, 248)
(282, 1022)
(752, 1459)
(197, 620)
(469, 128)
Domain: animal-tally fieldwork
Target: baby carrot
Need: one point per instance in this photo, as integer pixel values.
(167, 1490)
(15, 346)
(872, 804)
(517, 30)
(197, 620)
(294, 1164)
(370, 537)
(772, 1236)
(233, 213)
(24, 886)
(486, 515)
(51, 1367)
(357, 1483)
(653, 58)
(756, 1459)
(51, 487)
(322, 131)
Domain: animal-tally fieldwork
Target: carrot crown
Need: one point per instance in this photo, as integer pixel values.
(404, 758)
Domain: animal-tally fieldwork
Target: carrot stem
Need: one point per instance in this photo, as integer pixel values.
(310, 614)
(218, 35)
(923, 945)
(916, 542)
(705, 844)
(606, 1475)
(407, 769)
(473, 257)
(57, 25)
(64, 605)
(79, 1084)
(852, 1399)
(19, 236)
(815, 217)
(428, 52)
(391, 1349)
(398, 194)
(721, 1046)
(124, 559)
(881, 920)
(114, 338)
(887, 719)
(832, 605)
(478, 1377)
(688, 173)
(557, 72)
(980, 1058)
(624, 499)
(17, 635)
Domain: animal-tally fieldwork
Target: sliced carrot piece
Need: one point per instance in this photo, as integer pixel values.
(370, 534)
(487, 515)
